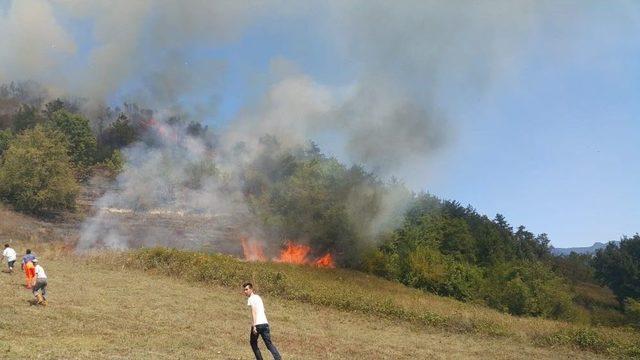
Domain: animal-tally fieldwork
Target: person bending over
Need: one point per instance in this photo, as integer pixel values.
(41, 284)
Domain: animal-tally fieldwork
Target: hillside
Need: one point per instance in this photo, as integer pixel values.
(579, 250)
(160, 304)
(98, 312)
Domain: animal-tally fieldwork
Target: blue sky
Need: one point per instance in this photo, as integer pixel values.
(540, 99)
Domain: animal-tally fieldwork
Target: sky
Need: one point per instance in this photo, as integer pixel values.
(525, 108)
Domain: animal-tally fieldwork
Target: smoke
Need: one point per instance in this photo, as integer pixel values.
(170, 193)
(33, 42)
(405, 63)
(409, 55)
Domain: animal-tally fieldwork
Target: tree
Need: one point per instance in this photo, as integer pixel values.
(56, 105)
(618, 266)
(82, 142)
(26, 118)
(36, 174)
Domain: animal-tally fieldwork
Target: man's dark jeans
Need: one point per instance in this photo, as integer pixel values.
(263, 330)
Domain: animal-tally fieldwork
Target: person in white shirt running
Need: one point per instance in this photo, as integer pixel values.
(10, 255)
(41, 283)
(259, 325)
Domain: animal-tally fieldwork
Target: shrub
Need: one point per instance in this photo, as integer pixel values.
(427, 269)
(382, 264)
(463, 281)
(115, 163)
(35, 173)
(582, 338)
(632, 311)
(529, 288)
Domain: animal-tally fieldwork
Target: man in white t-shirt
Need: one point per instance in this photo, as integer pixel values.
(259, 325)
(10, 255)
(41, 283)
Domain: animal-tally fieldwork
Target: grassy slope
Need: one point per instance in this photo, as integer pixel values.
(97, 311)
(100, 309)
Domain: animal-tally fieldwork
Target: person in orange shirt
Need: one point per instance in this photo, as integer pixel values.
(29, 269)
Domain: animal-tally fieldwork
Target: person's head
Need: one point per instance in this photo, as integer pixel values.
(247, 289)
(35, 261)
(28, 251)
(6, 245)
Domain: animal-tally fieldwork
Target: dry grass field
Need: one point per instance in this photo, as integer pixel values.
(98, 312)
(151, 305)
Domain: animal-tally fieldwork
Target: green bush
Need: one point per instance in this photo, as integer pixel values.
(430, 270)
(585, 339)
(427, 269)
(115, 163)
(382, 264)
(632, 311)
(35, 173)
(529, 288)
(463, 281)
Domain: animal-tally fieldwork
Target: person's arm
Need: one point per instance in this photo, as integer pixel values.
(253, 319)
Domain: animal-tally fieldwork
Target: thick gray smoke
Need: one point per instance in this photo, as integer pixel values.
(171, 193)
(408, 57)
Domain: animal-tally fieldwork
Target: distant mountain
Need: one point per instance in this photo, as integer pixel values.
(579, 250)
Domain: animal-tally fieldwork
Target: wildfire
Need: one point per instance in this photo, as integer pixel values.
(325, 261)
(292, 253)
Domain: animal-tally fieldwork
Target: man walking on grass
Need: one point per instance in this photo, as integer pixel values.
(10, 255)
(260, 326)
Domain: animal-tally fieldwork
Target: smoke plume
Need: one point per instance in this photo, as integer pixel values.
(404, 62)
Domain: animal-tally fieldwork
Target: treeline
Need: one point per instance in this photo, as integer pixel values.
(436, 245)
(45, 154)
(439, 246)
(48, 149)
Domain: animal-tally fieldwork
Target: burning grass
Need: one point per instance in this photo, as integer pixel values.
(292, 253)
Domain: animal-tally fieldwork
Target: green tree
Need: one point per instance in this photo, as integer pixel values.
(26, 118)
(36, 174)
(56, 105)
(82, 142)
(618, 266)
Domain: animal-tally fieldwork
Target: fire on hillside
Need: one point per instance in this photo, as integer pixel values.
(292, 253)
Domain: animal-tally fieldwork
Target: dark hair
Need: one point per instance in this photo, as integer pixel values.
(6, 245)
(247, 284)
(28, 251)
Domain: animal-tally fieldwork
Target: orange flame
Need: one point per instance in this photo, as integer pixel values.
(252, 250)
(292, 253)
(297, 254)
(325, 261)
